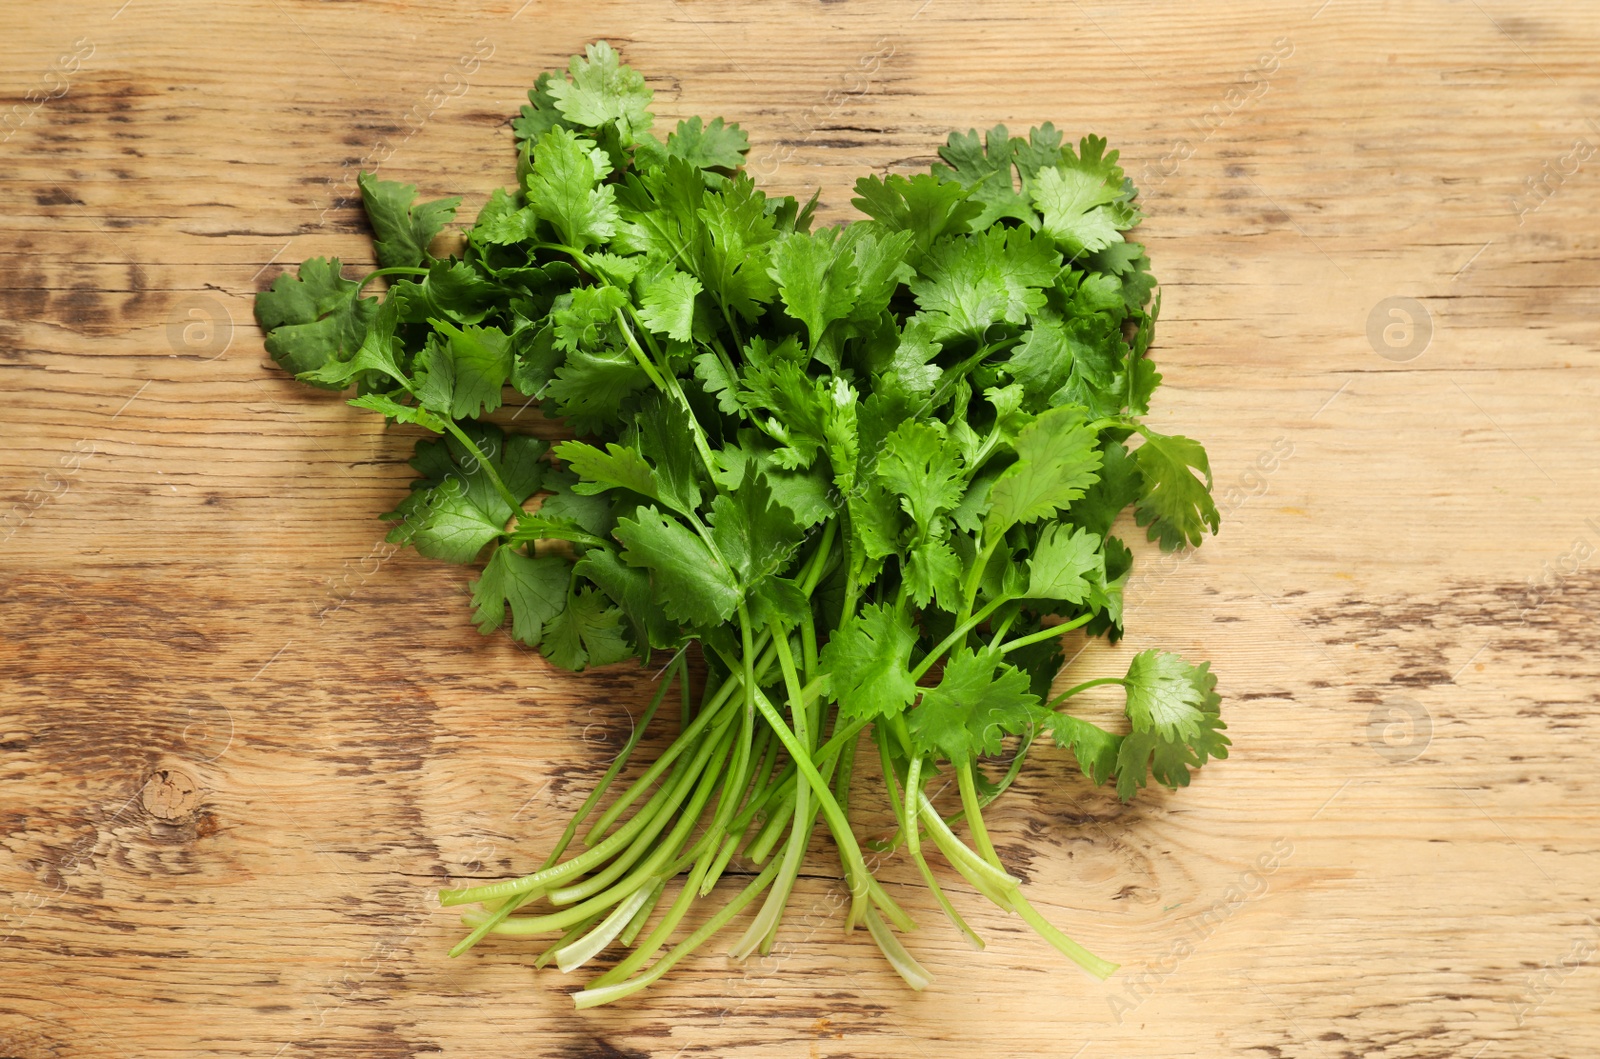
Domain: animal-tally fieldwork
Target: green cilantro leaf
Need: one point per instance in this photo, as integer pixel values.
(933, 571)
(1095, 748)
(379, 353)
(1120, 485)
(922, 205)
(979, 700)
(402, 227)
(590, 389)
(539, 115)
(478, 363)
(602, 91)
(667, 306)
(1176, 502)
(564, 188)
(629, 587)
(1174, 710)
(920, 465)
(1065, 564)
(454, 509)
(617, 467)
(313, 317)
(400, 413)
(1057, 459)
(754, 533)
(692, 584)
(585, 634)
(534, 588)
(968, 284)
(710, 146)
(1162, 696)
(985, 170)
(1073, 205)
(869, 657)
(733, 256)
(818, 284)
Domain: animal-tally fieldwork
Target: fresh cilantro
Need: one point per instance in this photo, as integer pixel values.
(1066, 564)
(709, 146)
(599, 91)
(979, 700)
(1174, 711)
(692, 583)
(864, 478)
(1057, 459)
(565, 188)
(534, 589)
(313, 317)
(586, 633)
(968, 284)
(402, 228)
(869, 659)
(1176, 500)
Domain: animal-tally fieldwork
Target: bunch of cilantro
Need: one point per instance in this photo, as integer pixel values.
(871, 471)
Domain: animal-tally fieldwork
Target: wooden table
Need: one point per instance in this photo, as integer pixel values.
(241, 743)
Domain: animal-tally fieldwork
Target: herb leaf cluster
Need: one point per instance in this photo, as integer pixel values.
(872, 471)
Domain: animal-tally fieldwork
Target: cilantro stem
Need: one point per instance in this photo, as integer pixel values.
(856, 875)
(397, 270)
(570, 957)
(969, 803)
(908, 828)
(661, 764)
(1046, 633)
(765, 925)
(572, 934)
(905, 965)
(1100, 968)
(677, 669)
(750, 786)
(969, 591)
(1085, 686)
(476, 453)
(645, 363)
(590, 858)
(994, 883)
(956, 636)
(1000, 630)
(597, 994)
(716, 747)
(642, 916)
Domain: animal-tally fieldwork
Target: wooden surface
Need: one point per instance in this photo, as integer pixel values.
(241, 742)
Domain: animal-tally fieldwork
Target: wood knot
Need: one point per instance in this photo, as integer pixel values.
(171, 794)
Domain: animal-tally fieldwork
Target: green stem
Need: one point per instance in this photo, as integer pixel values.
(969, 591)
(969, 804)
(905, 965)
(855, 867)
(765, 926)
(957, 636)
(597, 994)
(645, 363)
(395, 271)
(1085, 686)
(677, 668)
(1046, 633)
(908, 827)
(483, 461)
(646, 872)
(1100, 968)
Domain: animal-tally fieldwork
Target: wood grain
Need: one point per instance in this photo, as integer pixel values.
(241, 744)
